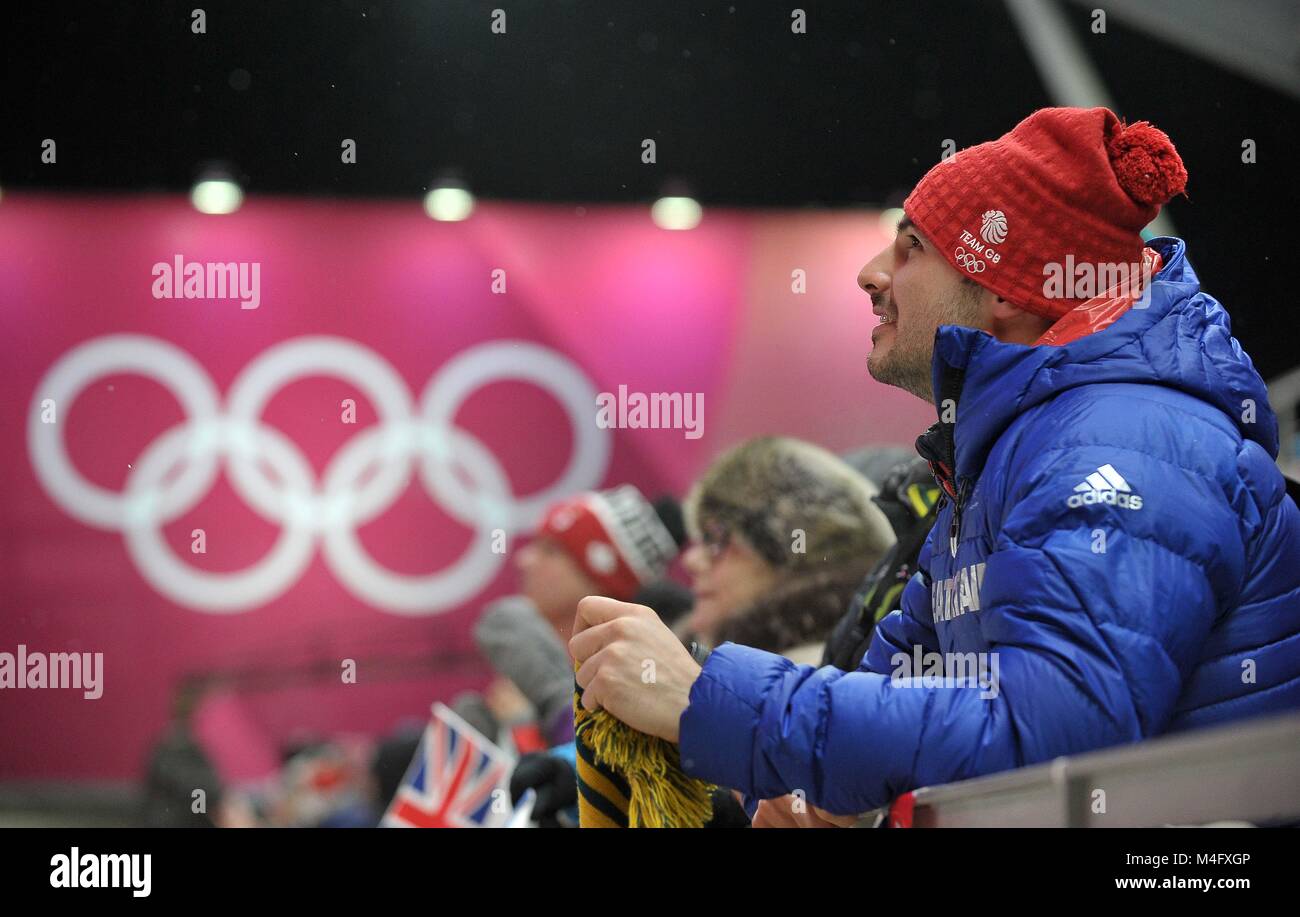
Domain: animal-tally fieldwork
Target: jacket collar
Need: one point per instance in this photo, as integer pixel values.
(1181, 339)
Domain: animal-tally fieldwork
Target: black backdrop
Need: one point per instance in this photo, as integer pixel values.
(742, 110)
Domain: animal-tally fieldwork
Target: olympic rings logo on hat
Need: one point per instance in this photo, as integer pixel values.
(965, 259)
(343, 499)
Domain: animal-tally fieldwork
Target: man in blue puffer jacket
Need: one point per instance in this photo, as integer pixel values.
(1117, 555)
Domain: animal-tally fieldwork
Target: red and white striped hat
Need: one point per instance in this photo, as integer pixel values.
(615, 536)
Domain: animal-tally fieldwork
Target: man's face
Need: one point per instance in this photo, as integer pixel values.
(914, 290)
(552, 580)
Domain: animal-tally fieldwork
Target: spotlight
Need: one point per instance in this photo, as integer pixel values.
(676, 213)
(449, 202)
(889, 221)
(217, 193)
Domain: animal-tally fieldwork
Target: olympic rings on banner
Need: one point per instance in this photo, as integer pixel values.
(363, 479)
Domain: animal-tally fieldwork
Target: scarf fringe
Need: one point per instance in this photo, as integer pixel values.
(662, 795)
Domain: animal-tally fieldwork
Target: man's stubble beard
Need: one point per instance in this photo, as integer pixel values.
(905, 369)
(908, 365)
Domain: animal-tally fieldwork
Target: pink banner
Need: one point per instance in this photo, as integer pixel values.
(255, 446)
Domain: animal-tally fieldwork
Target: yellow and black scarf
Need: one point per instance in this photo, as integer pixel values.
(627, 779)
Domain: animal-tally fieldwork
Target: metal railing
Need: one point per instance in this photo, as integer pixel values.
(1246, 772)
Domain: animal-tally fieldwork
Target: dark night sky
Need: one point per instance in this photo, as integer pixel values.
(741, 109)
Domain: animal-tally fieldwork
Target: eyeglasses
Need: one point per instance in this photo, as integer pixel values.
(714, 538)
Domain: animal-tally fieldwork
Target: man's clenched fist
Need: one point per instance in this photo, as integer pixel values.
(631, 664)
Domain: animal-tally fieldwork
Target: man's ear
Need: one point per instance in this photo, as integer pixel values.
(1008, 322)
(999, 309)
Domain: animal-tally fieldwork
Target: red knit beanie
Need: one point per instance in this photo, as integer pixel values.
(615, 536)
(1065, 182)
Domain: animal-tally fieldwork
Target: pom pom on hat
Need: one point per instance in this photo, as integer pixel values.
(1146, 164)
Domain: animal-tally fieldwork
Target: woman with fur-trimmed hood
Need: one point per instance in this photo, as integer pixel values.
(782, 534)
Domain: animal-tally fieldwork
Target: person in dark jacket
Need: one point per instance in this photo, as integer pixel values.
(1116, 546)
(909, 498)
(178, 768)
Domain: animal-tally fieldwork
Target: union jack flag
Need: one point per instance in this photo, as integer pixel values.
(451, 780)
